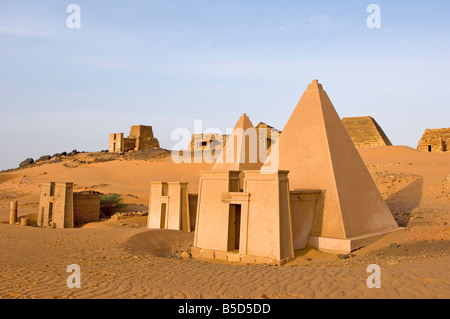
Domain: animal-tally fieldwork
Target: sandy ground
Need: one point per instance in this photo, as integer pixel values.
(34, 263)
(122, 259)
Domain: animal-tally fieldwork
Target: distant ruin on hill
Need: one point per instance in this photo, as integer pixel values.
(141, 138)
(267, 135)
(213, 142)
(435, 141)
(365, 132)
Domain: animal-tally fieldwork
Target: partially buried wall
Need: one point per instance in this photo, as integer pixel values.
(86, 207)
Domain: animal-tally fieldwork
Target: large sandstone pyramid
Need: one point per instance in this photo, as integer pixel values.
(365, 132)
(317, 150)
(241, 149)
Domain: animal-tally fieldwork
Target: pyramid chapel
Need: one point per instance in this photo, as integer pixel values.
(312, 190)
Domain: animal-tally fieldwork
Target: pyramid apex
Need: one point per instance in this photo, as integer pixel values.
(238, 154)
(243, 122)
(315, 85)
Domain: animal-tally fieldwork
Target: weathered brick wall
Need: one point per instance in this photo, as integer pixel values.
(436, 141)
(267, 135)
(55, 205)
(141, 131)
(146, 144)
(211, 141)
(129, 144)
(86, 208)
(365, 132)
(116, 143)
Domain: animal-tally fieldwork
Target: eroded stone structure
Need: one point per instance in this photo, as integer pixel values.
(267, 135)
(60, 207)
(435, 141)
(56, 205)
(214, 143)
(365, 132)
(211, 142)
(140, 138)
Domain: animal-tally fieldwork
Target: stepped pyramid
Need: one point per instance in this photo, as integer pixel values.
(365, 132)
(241, 149)
(317, 150)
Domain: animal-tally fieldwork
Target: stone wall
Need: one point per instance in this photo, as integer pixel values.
(365, 132)
(211, 141)
(267, 135)
(129, 144)
(146, 144)
(435, 140)
(86, 207)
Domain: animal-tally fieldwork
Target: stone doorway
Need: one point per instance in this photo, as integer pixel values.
(234, 227)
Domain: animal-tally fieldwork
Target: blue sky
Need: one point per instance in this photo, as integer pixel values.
(167, 63)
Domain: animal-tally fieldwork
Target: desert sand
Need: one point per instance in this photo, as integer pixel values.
(123, 259)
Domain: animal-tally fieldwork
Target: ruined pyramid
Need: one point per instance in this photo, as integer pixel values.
(317, 150)
(365, 132)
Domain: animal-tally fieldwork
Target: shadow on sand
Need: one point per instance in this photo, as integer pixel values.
(403, 202)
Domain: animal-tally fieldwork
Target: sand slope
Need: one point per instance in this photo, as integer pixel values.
(122, 177)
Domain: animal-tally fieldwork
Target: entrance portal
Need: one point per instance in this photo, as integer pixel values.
(234, 227)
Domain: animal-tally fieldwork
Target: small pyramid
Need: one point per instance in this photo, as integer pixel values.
(317, 150)
(365, 132)
(241, 150)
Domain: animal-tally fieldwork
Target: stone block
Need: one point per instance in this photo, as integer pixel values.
(195, 252)
(207, 253)
(221, 255)
(247, 259)
(263, 260)
(235, 257)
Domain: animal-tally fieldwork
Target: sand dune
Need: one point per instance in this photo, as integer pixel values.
(34, 262)
(122, 177)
